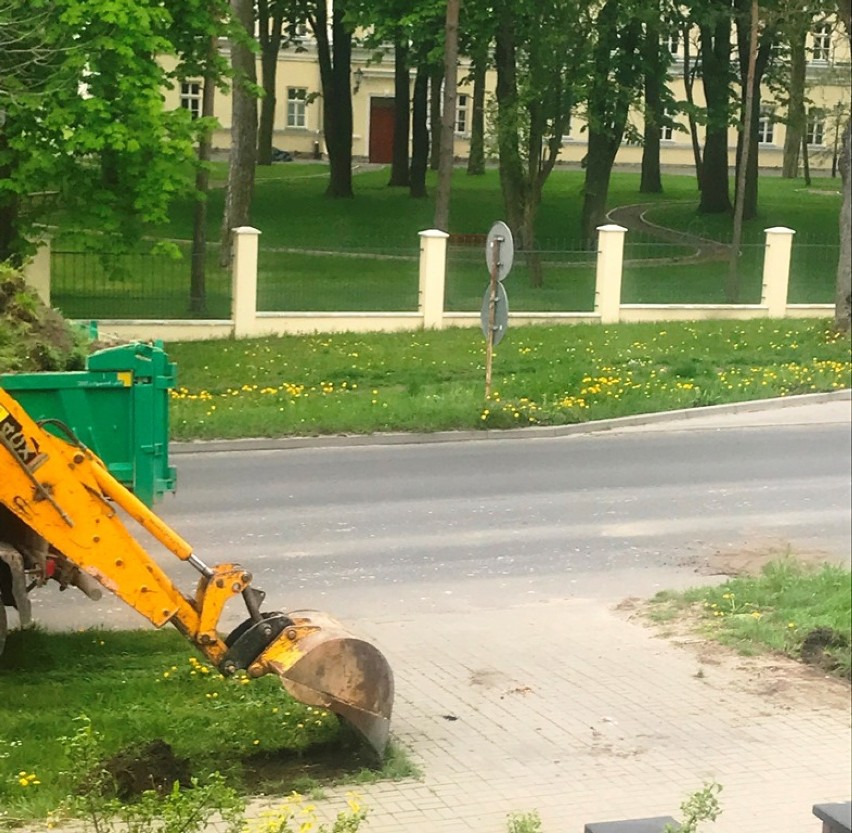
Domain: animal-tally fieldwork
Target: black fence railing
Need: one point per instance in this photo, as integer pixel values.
(145, 284)
(559, 275)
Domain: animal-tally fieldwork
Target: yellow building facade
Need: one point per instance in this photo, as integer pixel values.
(298, 123)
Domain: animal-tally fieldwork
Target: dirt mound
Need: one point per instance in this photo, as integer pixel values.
(153, 766)
(34, 337)
(816, 648)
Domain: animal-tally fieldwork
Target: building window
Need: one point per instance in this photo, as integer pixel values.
(822, 42)
(815, 130)
(461, 113)
(190, 97)
(672, 43)
(296, 97)
(766, 127)
(667, 129)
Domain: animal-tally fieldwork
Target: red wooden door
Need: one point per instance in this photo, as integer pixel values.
(381, 129)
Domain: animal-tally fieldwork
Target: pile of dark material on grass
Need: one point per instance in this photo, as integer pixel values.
(33, 336)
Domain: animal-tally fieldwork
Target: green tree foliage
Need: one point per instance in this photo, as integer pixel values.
(539, 54)
(81, 86)
(843, 305)
(416, 32)
(615, 75)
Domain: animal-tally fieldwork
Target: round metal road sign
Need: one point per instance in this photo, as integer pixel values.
(505, 252)
(501, 313)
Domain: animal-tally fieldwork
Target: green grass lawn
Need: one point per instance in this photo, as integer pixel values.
(790, 608)
(430, 381)
(140, 686)
(304, 233)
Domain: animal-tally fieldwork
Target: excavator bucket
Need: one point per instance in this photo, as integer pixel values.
(322, 664)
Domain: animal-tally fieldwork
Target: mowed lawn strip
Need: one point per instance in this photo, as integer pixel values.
(139, 686)
(434, 380)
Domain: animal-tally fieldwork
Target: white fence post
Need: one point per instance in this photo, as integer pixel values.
(244, 281)
(37, 271)
(433, 274)
(776, 270)
(608, 273)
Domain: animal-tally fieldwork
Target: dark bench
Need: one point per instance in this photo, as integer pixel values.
(654, 825)
(474, 240)
(836, 818)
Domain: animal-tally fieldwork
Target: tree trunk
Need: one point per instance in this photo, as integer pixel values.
(535, 271)
(269, 28)
(267, 113)
(651, 181)
(796, 107)
(806, 162)
(843, 294)
(448, 117)
(762, 47)
(609, 99)
(688, 85)
(749, 180)
(436, 86)
(732, 286)
(420, 132)
(335, 61)
(401, 120)
(716, 62)
(599, 161)
(510, 166)
(476, 158)
(243, 153)
(198, 267)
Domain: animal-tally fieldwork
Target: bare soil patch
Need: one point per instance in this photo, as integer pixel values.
(153, 766)
(751, 561)
(784, 683)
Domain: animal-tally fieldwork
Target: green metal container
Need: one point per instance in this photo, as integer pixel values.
(118, 407)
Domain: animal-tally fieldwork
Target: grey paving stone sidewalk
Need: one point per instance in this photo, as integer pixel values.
(573, 709)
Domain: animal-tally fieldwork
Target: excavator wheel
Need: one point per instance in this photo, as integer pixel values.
(3, 626)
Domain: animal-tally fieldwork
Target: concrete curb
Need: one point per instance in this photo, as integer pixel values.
(530, 432)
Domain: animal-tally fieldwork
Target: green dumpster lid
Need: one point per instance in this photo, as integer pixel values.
(140, 358)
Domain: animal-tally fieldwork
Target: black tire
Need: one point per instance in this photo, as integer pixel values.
(3, 627)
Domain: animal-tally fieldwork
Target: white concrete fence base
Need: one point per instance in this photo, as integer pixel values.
(246, 321)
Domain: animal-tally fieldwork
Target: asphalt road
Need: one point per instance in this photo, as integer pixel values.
(376, 530)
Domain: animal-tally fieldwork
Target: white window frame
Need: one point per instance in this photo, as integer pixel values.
(766, 127)
(297, 108)
(190, 97)
(821, 50)
(815, 128)
(462, 114)
(667, 130)
(672, 42)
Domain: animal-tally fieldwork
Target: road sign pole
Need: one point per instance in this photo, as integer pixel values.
(492, 314)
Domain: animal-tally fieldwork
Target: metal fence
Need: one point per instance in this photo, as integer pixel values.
(558, 276)
(813, 269)
(374, 277)
(150, 283)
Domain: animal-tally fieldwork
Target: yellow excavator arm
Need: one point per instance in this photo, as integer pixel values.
(64, 517)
